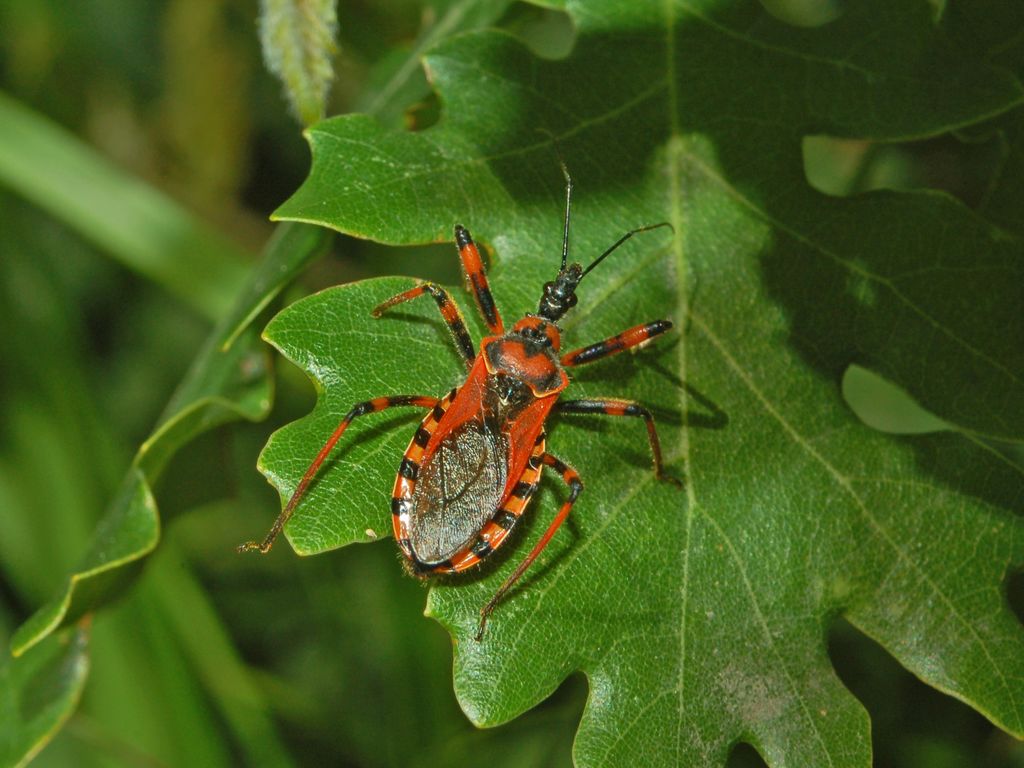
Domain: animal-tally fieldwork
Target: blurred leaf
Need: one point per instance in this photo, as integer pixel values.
(56, 290)
(128, 532)
(227, 381)
(699, 616)
(38, 692)
(49, 498)
(993, 29)
(146, 231)
(208, 70)
(186, 612)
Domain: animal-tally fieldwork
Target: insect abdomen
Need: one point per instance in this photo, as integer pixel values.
(458, 489)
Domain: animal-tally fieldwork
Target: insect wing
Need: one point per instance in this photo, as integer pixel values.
(458, 488)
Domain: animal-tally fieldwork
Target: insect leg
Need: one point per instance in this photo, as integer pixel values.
(610, 407)
(615, 344)
(575, 486)
(449, 311)
(474, 269)
(359, 409)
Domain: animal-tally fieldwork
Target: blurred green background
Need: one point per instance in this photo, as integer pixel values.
(214, 659)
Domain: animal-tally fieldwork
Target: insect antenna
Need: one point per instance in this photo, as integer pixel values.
(568, 207)
(568, 194)
(620, 241)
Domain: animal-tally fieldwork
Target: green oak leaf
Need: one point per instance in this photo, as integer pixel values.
(38, 692)
(699, 615)
(396, 82)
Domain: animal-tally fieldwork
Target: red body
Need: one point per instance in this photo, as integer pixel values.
(469, 410)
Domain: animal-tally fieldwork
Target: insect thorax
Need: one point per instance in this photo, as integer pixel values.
(530, 362)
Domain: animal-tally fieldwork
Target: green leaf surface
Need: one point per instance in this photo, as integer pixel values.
(38, 692)
(398, 82)
(699, 615)
(227, 381)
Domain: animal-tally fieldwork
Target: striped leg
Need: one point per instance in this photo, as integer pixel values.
(449, 311)
(474, 269)
(610, 407)
(575, 486)
(360, 409)
(615, 344)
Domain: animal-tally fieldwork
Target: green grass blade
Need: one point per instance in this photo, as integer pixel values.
(136, 224)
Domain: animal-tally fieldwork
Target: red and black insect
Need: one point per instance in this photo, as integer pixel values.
(475, 461)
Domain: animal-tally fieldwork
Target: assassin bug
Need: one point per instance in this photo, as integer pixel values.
(476, 459)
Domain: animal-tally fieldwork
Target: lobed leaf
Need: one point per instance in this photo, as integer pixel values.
(699, 615)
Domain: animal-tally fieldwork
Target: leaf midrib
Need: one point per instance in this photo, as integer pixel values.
(674, 156)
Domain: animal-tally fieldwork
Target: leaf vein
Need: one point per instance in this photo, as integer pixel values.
(859, 503)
